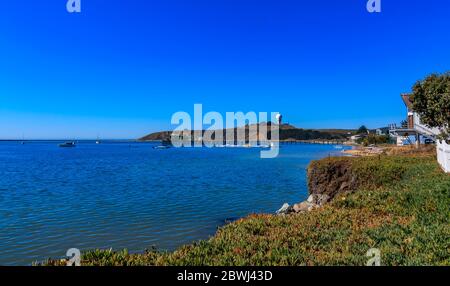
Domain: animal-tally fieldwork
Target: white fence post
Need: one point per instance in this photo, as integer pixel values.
(443, 155)
(447, 156)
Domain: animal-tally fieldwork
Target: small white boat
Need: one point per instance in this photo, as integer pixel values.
(67, 145)
(161, 147)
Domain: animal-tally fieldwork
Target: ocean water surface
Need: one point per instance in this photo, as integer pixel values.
(129, 195)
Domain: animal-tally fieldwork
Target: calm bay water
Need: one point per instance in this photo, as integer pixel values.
(129, 195)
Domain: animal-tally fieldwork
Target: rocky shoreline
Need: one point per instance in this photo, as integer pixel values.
(327, 178)
(313, 202)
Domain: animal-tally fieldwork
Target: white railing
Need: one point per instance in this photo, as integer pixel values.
(443, 155)
(423, 129)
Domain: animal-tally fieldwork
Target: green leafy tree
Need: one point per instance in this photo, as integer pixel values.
(431, 100)
(373, 139)
(362, 130)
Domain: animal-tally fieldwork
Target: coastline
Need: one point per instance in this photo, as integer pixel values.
(368, 212)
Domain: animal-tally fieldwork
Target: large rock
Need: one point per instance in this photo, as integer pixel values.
(285, 209)
(318, 199)
(304, 207)
(329, 177)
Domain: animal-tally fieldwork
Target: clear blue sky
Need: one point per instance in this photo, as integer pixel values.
(121, 68)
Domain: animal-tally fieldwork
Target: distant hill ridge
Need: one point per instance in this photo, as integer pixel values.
(287, 132)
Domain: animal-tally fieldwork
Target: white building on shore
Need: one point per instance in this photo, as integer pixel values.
(422, 133)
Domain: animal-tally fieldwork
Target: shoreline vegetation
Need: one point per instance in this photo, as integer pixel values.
(397, 201)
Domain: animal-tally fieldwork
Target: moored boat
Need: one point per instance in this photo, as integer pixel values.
(161, 147)
(67, 144)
